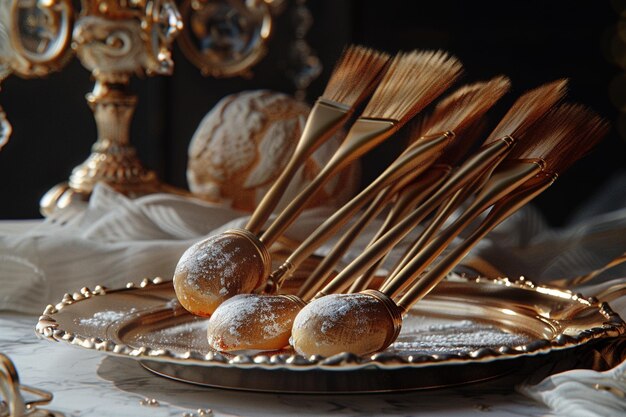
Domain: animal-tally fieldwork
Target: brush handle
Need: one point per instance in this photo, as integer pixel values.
(411, 162)
(409, 198)
(443, 213)
(498, 186)
(363, 136)
(319, 276)
(489, 155)
(503, 209)
(325, 119)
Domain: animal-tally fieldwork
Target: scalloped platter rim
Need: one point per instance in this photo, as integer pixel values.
(517, 320)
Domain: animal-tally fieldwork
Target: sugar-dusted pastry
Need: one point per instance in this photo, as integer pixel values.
(244, 142)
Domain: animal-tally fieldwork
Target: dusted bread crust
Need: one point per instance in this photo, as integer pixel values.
(244, 143)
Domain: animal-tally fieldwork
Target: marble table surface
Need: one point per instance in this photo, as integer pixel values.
(90, 383)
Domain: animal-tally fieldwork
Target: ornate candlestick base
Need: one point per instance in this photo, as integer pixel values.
(115, 39)
(113, 160)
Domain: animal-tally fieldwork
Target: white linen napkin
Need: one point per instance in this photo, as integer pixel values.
(110, 241)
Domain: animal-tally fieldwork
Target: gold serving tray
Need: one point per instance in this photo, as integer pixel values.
(467, 330)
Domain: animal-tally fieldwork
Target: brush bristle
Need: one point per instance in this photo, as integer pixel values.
(528, 109)
(461, 112)
(463, 107)
(562, 137)
(355, 74)
(411, 82)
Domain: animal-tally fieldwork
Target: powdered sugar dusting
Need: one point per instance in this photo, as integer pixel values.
(218, 258)
(173, 304)
(104, 318)
(179, 337)
(333, 309)
(245, 321)
(213, 256)
(431, 335)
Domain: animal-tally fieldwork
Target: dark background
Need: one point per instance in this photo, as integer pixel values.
(530, 41)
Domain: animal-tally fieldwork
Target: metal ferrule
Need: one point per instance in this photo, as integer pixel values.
(262, 250)
(324, 118)
(296, 300)
(364, 135)
(281, 274)
(395, 314)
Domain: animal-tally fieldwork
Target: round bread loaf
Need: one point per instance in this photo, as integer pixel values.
(243, 144)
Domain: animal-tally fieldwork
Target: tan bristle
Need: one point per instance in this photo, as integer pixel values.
(528, 109)
(463, 107)
(411, 82)
(354, 76)
(562, 137)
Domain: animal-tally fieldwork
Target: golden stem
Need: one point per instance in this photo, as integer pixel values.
(363, 136)
(498, 186)
(410, 197)
(323, 121)
(489, 155)
(504, 208)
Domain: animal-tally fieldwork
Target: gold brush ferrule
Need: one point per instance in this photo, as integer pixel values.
(264, 254)
(325, 116)
(364, 135)
(278, 277)
(423, 150)
(395, 315)
(296, 300)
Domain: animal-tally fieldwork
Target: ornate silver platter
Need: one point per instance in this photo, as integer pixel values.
(465, 331)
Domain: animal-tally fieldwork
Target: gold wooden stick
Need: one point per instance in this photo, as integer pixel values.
(497, 187)
(411, 162)
(581, 279)
(489, 155)
(411, 197)
(443, 213)
(318, 277)
(503, 209)
(411, 82)
(352, 80)
(557, 140)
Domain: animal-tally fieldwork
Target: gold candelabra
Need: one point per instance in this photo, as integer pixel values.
(34, 41)
(115, 39)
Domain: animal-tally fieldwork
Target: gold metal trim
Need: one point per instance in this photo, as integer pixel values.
(37, 64)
